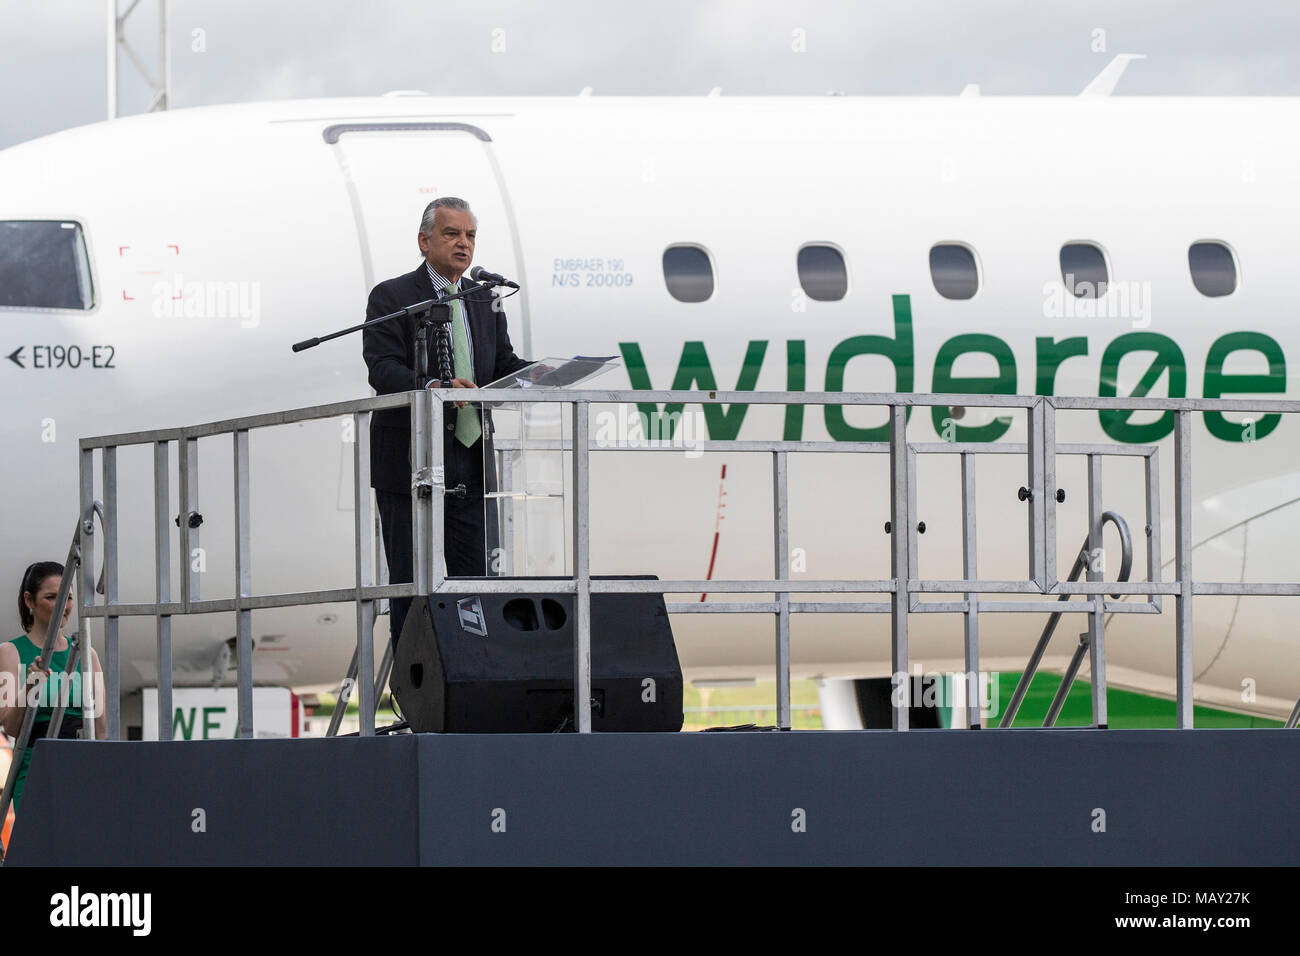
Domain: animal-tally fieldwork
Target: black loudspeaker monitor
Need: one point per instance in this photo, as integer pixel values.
(503, 663)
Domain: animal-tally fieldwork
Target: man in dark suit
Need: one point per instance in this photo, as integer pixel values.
(482, 353)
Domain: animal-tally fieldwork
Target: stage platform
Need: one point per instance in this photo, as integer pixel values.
(986, 797)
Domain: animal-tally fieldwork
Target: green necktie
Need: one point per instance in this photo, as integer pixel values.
(468, 428)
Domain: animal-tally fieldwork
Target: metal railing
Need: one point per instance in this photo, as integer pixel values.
(1084, 560)
(76, 661)
(903, 590)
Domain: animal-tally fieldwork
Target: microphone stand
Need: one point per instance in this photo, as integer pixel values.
(442, 339)
(434, 313)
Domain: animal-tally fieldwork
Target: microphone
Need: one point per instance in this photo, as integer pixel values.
(479, 274)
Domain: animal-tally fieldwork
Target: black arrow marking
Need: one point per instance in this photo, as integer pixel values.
(15, 357)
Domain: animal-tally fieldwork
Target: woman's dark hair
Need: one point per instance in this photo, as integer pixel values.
(33, 578)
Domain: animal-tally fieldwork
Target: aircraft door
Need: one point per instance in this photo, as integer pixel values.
(393, 170)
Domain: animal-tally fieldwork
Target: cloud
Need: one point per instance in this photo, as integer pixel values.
(52, 55)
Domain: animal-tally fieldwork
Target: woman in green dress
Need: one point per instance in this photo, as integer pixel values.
(37, 595)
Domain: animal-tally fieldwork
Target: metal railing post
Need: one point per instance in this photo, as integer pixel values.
(781, 539)
(969, 566)
(900, 561)
(1151, 468)
(188, 475)
(162, 575)
(581, 569)
(913, 522)
(506, 482)
(86, 595)
(435, 502)
(1097, 616)
(365, 607)
(243, 585)
(1048, 412)
(111, 664)
(423, 563)
(1183, 560)
(1037, 524)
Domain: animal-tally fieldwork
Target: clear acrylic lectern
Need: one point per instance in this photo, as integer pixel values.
(526, 471)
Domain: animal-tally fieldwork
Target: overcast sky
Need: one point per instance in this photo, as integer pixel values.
(53, 52)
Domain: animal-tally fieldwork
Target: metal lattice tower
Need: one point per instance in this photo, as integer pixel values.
(162, 85)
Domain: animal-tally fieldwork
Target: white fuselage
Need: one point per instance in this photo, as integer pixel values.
(219, 236)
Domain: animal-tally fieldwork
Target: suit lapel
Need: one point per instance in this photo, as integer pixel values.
(423, 284)
(422, 288)
(481, 333)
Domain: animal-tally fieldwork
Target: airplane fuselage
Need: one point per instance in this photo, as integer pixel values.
(216, 237)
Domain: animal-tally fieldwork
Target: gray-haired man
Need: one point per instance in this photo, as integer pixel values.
(482, 353)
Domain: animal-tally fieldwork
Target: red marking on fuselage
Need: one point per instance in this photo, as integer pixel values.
(717, 529)
(712, 557)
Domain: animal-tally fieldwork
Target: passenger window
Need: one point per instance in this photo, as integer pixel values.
(823, 274)
(1083, 270)
(688, 273)
(953, 270)
(1213, 267)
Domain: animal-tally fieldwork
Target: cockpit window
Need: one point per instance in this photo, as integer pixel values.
(43, 265)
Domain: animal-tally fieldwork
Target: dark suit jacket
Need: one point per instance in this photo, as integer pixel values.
(389, 351)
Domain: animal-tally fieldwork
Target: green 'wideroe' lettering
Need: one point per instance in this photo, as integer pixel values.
(1168, 356)
(1004, 383)
(1217, 381)
(898, 350)
(796, 373)
(693, 370)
